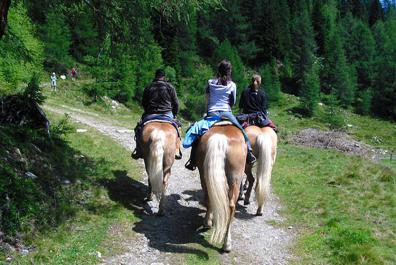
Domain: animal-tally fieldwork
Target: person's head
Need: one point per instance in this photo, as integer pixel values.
(53, 73)
(160, 74)
(224, 71)
(256, 81)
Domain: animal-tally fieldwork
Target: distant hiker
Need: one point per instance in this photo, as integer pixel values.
(221, 96)
(74, 73)
(53, 81)
(159, 102)
(254, 104)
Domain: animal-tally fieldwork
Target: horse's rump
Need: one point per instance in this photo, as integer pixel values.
(264, 143)
(159, 144)
(221, 157)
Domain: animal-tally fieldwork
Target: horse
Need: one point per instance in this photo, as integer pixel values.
(264, 142)
(221, 157)
(160, 142)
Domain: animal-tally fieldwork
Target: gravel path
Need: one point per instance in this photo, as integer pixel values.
(166, 240)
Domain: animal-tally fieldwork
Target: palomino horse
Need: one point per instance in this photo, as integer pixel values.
(159, 144)
(221, 158)
(264, 141)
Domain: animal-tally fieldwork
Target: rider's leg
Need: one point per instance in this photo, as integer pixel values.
(191, 163)
(250, 159)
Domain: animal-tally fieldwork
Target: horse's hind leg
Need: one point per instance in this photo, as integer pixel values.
(250, 179)
(163, 201)
(208, 215)
(233, 196)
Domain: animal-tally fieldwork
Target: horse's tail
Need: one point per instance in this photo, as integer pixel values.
(217, 185)
(155, 162)
(264, 167)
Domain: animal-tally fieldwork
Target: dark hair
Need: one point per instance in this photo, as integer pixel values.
(224, 72)
(159, 73)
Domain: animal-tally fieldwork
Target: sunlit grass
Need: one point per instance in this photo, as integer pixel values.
(343, 207)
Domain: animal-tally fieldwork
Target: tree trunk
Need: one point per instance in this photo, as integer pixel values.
(4, 5)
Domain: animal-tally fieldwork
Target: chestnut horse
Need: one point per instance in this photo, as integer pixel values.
(160, 142)
(264, 142)
(221, 158)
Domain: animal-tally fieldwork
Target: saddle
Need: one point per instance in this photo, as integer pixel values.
(258, 119)
(223, 123)
(157, 118)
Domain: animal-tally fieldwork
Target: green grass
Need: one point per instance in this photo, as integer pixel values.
(344, 207)
(77, 239)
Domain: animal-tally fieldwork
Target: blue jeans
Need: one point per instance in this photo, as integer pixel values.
(231, 118)
(148, 116)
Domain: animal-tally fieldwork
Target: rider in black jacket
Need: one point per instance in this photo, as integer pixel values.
(253, 99)
(159, 98)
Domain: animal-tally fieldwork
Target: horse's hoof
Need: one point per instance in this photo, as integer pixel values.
(241, 198)
(246, 202)
(259, 213)
(226, 248)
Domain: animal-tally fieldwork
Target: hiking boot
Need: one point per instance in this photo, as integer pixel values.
(136, 155)
(250, 158)
(190, 165)
(179, 155)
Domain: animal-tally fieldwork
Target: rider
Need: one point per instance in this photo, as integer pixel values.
(254, 99)
(159, 98)
(220, 97)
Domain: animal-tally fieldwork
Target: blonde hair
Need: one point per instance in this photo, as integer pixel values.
(257, 78)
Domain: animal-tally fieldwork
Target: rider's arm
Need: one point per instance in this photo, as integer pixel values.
(233, 95)
(207, 92)
(175, 101)
(241, 101)
(264, 102)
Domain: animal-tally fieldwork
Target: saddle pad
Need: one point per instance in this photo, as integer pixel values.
(222, 123)
(163, 121)
(174, 124)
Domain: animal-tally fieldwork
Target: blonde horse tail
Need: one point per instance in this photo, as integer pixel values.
(217, 185)
(264, 167)
(155, 162)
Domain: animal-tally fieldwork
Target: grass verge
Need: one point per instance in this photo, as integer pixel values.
(86, 214)
(343, 207)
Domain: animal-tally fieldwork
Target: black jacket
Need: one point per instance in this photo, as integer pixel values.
(253, 101)
(160, 97)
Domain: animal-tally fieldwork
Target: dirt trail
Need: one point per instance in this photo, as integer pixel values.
(166, 240)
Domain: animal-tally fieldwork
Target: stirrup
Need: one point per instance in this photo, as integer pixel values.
(189, 165)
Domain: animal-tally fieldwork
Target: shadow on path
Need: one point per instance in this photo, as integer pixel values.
(169, 233)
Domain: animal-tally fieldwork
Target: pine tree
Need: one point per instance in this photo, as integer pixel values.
(336, 75)
(270, 82)
(376, 12)
(306, 67)
(304, 46)
(310, 90)
(271, 30)
(57, 40)
(84, 33)
(384, 96)
(360, 51)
